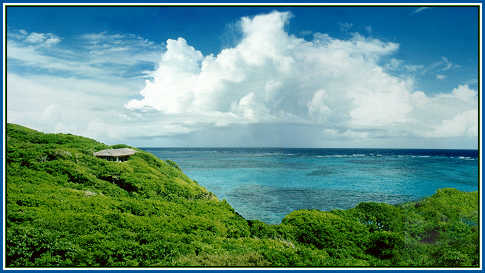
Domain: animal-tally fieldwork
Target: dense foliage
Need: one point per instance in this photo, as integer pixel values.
(67, 208)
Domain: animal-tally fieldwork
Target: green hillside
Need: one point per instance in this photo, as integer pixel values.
(67, 208)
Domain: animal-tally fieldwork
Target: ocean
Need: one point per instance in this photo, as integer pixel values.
(268, 183)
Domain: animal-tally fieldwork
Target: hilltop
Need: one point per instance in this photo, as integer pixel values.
(68, 208)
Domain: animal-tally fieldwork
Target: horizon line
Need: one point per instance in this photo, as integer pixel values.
(270, 147)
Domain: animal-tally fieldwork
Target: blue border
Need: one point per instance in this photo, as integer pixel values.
(384, 2)
(421, 3)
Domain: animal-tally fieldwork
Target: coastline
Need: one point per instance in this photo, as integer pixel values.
(67, 208)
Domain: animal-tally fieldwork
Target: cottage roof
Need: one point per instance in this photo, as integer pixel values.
(116, 152)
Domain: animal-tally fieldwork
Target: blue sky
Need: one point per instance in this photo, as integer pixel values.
(247, 76)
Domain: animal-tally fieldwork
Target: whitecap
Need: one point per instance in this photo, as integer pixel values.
(332, 156)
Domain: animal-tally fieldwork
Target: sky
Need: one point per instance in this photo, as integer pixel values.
(329, 77)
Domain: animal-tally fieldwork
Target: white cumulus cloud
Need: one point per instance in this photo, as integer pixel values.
(463, 124)
(271, 88)
(272, 76)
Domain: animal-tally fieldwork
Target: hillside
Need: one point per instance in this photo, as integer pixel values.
(67, 208)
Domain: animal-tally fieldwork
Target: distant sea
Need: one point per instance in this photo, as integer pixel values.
(268, 183)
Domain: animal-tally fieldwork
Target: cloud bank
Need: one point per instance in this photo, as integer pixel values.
(341, 88)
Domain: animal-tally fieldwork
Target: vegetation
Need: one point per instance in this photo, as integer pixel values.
(67, 208)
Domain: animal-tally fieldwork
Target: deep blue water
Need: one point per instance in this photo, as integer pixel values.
(268, 183)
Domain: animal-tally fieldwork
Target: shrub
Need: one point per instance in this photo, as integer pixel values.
(378, 216)
(173, 164)
(337, 235)
(385, 244)
(452, 258)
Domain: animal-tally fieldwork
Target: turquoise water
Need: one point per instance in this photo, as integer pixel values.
(268, 183)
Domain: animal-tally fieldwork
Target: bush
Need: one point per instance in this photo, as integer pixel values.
(337, 235)
(385, 244)
(119, 146)
(452, 258)
(173, 164)
(378, 216)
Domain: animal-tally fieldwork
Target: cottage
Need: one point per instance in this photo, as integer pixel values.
(115, 154)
